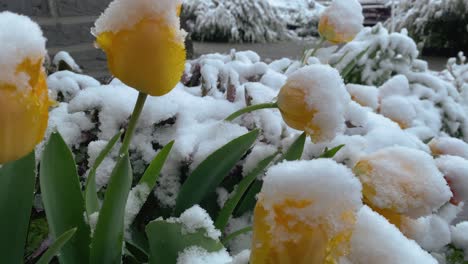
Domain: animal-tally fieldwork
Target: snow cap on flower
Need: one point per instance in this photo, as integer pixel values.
(21, 40)
(455, 171)
(314, 99)
(449, 146)
(305, 212)
(24, 99)
(375, 240)
(459, 237)
(402, 180)
(341, 21)
(144, 43)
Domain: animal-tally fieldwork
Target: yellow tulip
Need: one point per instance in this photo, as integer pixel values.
(341, 21)
(147, 57)
(400, 182)
(296, 222)
(24, 112)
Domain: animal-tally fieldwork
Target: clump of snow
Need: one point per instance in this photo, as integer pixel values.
(344, 16)
(21, 39)
(431, 232)
(67, 59)
(136, 198)
(241, 242)
(325, 94)
(375, 240)
(398, 109)
(65, 85)
(124, 14)
(318, 182)
(364, 95)
(455, 170)
(449, 146)
(198, 255)
(242, 258)
(459, 237)
(404, 180)
(197, 218)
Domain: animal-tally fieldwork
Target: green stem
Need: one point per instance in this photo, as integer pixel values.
(314, 51)
(251, 108)
(133, 122)
(235, 234)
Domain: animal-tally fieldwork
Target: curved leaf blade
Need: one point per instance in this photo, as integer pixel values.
(106, 246)
(243, 186)
(211, 172)
(167, 240)
(63, 200)
(152, 173)
(330, 153)
(55, 248)
(296, 149)
(17, 181)
(91, 198)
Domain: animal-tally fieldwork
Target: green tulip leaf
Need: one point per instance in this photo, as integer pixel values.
(55, 248)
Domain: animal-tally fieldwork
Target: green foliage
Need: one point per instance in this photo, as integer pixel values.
(455, 255)
(167, 240)
(55, 248)
(16, 196)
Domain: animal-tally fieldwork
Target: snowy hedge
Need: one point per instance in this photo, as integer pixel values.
(436, 25)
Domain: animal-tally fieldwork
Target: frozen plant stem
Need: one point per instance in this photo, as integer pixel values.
(133, 122)
(311, 52)
(251, 109)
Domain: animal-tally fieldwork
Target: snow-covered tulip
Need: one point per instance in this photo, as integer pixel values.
(400, 181)
(144, 43)
(299, 218)
(449, 146)
(24, 100)
(314, 100)
(341, 21)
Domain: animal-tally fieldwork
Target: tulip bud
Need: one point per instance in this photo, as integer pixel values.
(144, 43)
(24, 100)
(399, 181)
(300, 218)
(341, 21)
(314, 100)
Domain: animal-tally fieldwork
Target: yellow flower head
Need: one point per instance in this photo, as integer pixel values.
(300, 218)
(314, 100)
(144, 43)
(24, 101)
(399, 181)
(341, 21)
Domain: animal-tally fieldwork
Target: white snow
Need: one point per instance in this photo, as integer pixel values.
(364, 95)
(21, 39)
(65, 57)
(136, 198)
(460, 238)
(124, 14)
(340, 9)
(197, 218)
(403, 180)
(375, 240)
(455, 170)
(449, 146)
(198, 255)
(431, 232)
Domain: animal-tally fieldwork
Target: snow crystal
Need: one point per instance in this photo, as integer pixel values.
(449, 146)
(92, 220)
(65, 57)
(404, 180)
(21, 39)
(197, 218)
(136, 198)
(317, 181)
(242, 258)
(364, 95)
(259, 152)
(455, 170)
(104, 171)
(124, 14)
(244, 241)
(399, 110)
(68, 84)
(431, 232)
(198, 255)
(460, 237)
(375, 240)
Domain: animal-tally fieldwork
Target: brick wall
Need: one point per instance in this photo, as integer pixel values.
(67, 24)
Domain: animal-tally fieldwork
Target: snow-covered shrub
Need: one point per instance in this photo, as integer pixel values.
(435, 25)
(234, 20)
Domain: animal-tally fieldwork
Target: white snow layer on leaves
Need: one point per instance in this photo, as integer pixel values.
(198, 255)
(20, 39)
(460, 237)
(375, 240)
(65, 57)
(349, 9)
(449, 146)
(405, 180)
(124, 14)
(197, 218)
(317, 181)
(431, 232)
(136, 198)
(326, 94)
